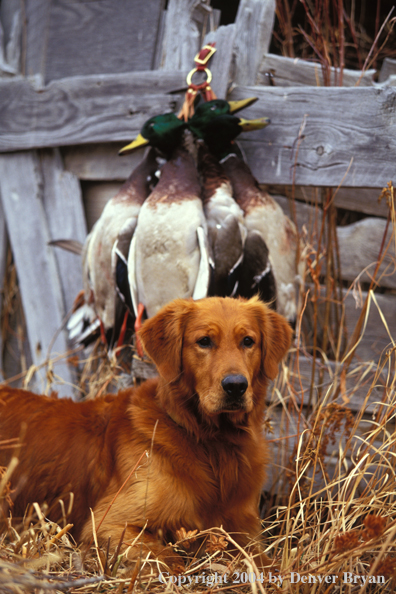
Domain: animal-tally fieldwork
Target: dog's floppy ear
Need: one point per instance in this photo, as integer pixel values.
(162, 338)
(277, 342)
(276, 337)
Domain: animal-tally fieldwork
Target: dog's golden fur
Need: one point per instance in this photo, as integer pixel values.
(207, 453)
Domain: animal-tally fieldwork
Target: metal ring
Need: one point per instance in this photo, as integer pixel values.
(201, 85)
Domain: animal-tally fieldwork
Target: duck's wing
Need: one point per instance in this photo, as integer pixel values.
(227, 243)
(83, 325)
(86, 332)
(122, 296)
(119, 262)
(256, 275)
(69, 245)
(123, 307)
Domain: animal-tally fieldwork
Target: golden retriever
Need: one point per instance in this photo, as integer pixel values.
(200, 422)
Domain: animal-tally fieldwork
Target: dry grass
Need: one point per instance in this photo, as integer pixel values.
(338, 33)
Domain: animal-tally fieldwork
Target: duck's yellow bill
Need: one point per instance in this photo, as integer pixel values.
(248, 125)
(137, 143)
(238, 105)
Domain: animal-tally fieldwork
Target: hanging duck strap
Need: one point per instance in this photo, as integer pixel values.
(201, 60)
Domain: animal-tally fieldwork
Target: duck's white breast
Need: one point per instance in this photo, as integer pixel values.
(167, 253)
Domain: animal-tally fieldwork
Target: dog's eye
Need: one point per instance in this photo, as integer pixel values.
(247, 341)
(204, 342)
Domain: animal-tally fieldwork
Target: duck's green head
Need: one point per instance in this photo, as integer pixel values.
(163, 132)
(220, 132)
(206, 112)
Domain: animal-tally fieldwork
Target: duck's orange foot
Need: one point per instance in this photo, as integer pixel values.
(103, 333)
(121, 337)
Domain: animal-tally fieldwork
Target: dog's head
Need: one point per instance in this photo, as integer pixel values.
(220, 349)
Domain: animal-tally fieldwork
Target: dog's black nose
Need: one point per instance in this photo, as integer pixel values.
(235, 385)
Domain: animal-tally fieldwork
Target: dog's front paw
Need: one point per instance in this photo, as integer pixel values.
(172, 560)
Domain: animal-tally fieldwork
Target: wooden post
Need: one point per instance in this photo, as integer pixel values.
(221, 64)
(10, 37)
(66, 220)
(21, 196)
(181, 36)
(37, 17)
(254, 23)
(3, 262)
(307, 145)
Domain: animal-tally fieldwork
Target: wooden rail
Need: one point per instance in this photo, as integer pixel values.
(322, 136)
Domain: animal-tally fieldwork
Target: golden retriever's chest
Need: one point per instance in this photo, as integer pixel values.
(202, 491)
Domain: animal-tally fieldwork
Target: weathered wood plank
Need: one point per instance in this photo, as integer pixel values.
(359, 246)
(357, 199)
(182, 36)
(100, 161)
(38, 279)
(37, 21)
(114, 36)
(322, 136)
(221, 64)
(254, 23)
(303, 215)
(388, 69)
(375, 340)
(295, 72)
(5, 70)
(159, 42)
(361, 379)
(66, 220)
(3, 263)
(377, 335)
(16, 351)
(12, 22)
(359, 243)
(83, 109)
(95, 196)
(357, 147)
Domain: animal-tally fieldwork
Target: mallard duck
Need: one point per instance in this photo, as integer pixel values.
(270, 254)
(219, 131)
(206, 112)
(169, 255)
(255, 272)
(108, 242)
(251, 274)
(226, 229)
(263, 216)
(163, 132)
